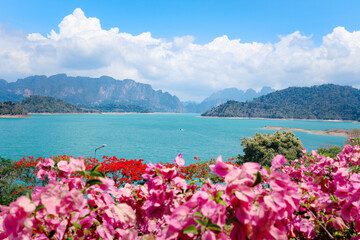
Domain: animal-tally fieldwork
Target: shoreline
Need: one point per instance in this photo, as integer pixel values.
(15, 116)
(87, 113)
(105, 113)
(59, 113)
(331, 132)
(284, 119)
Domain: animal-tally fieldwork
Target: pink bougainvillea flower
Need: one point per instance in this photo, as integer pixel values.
(277, 162)
(220, 168)
(17, 215)
(179, 160)
(77, 164)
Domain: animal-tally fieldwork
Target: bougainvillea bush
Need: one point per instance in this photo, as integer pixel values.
(314, 197)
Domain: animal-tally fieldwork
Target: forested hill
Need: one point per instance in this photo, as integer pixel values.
(40, 104)
(328, 102)
(10, 108)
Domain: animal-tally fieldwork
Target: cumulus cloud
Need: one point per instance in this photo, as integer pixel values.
(191, 71)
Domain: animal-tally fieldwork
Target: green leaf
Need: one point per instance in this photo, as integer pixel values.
(223, 203)
(95, 168)
(82, 173)
(191, 229)
(39, 207)
(93, 182)
(206, 221)
(218, 196)
(28, 194)
(355, 168)
(40, 227)
(197, 214)
(199, 221)
(257, 180)
(96, 173)
(77, 226)
(333, 198)
(215, 227)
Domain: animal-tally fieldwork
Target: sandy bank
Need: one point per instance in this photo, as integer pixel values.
(14, 116)
(59, 113)
(88, 113)
(106, 113)
(332, 132)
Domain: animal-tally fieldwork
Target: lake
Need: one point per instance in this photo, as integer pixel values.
(152, 137)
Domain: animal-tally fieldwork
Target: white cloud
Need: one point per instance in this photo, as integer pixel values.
(191, 71)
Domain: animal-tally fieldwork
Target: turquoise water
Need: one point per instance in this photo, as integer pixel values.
(152, 137)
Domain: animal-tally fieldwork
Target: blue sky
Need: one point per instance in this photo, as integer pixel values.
(206, 19)
(189, 48)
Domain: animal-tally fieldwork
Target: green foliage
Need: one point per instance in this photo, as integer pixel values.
(8, 182)
(319, 102)
(329, 150)
(262, 148)
(10, 108)
(40, 104)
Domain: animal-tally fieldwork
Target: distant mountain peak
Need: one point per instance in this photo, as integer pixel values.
(225, 95)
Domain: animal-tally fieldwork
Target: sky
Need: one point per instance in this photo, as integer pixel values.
(188, 48)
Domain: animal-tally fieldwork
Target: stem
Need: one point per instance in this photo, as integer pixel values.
(67, 227)
(332, 237)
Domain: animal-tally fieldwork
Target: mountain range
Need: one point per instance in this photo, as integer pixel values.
(91, 91)
(328, 102)
(225, 95)
(98, 92)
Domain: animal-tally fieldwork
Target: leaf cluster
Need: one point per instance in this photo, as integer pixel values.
(10, 186)
(262, 148)
(329, 150)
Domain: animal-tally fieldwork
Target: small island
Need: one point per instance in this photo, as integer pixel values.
(9, 109)
(332, 132)
(49, 105)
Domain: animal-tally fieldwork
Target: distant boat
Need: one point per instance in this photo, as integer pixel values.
(181, 129)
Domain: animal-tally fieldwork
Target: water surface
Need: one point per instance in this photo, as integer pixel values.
(152, 137)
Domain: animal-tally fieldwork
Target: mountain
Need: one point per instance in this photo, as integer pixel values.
(328, 102)
(5, 95)
(225, 95)
(91, 91)
(10, 108)
(41, 104)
